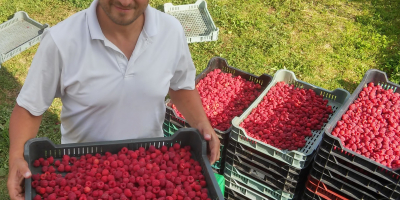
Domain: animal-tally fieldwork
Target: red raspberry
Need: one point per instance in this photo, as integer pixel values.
(66, 158)
(198, 168)
(105, 172)
(203, 183)
(128, 192)
(52, 196)
(197, 188)
(152, 148)
(37, 197)
(42, 190)
(124, 150)
(50, 159)
(155, 183)
(149, 195)
(86, 189)
(176, 146)
(49, 190)
(36, 163)
(68, 168)
(100, 185)
(204, 196)
(44, 183)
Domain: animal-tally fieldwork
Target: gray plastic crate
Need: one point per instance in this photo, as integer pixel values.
(296, 158)
(196, 21)
(18, 34)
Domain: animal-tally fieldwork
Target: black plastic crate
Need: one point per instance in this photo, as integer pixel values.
(281, 183)
(255, 194)
(351, 189)
(378, 78)
(308, 195)
(368, 180)
(222, 64)
(257, 171)
(44, 147)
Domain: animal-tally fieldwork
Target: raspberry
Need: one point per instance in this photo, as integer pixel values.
(36, 163)
(176, 146)
(149, 195)
(198, 168)
(37, 197)
(50, 159)
(44, 183)
(203, 183)
(128, 192)
(204, 196)
(152, 148)
(49, 190)
(42, 190)
(66, 158)
(155, 183)
(86, 189)
(124, 150)
(52, 196)
(100, 185)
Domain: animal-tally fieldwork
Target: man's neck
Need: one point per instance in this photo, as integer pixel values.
(118, 32)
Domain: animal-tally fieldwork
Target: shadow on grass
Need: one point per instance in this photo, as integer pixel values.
(9, 89)
(384, 16)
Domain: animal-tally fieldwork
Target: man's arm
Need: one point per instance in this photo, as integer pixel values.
(23, 126)
(189, 104)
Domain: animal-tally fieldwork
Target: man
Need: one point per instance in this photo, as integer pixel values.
(112, 66)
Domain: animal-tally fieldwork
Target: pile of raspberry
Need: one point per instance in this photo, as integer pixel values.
(224, 97)
(162, 174)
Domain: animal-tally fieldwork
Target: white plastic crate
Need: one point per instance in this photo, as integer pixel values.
(18, 34)
(296, 158)
(196, 21)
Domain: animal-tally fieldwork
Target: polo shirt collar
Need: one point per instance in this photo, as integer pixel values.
(149, 27)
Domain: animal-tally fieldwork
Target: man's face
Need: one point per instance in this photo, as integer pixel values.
(123, 12)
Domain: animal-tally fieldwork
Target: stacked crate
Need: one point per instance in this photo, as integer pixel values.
(345, 173)
(173, 122)
(256, 170)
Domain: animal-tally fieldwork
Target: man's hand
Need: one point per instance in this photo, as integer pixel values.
(189, 104)
(18, 172)
(213, 141)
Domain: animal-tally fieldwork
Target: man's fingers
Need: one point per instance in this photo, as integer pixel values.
(207, 136)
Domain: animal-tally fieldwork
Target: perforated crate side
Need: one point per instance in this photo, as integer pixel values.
(258, 172)
(43, 147)
(296, 158)
(366, 182)
(196, 21)
(347, 187)
(251, 193)
(378, 78)
(338, 157)
(320, 189)
(14, 43)
(242, 177)
(267, 162)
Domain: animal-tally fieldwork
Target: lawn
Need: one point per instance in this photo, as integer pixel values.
(328, 43)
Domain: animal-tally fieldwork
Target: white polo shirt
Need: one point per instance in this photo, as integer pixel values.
(105, 96)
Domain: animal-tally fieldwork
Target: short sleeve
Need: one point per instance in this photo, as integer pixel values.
(42, 83)
(185, 71)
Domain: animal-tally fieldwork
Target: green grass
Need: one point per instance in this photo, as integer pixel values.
(329, 43)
